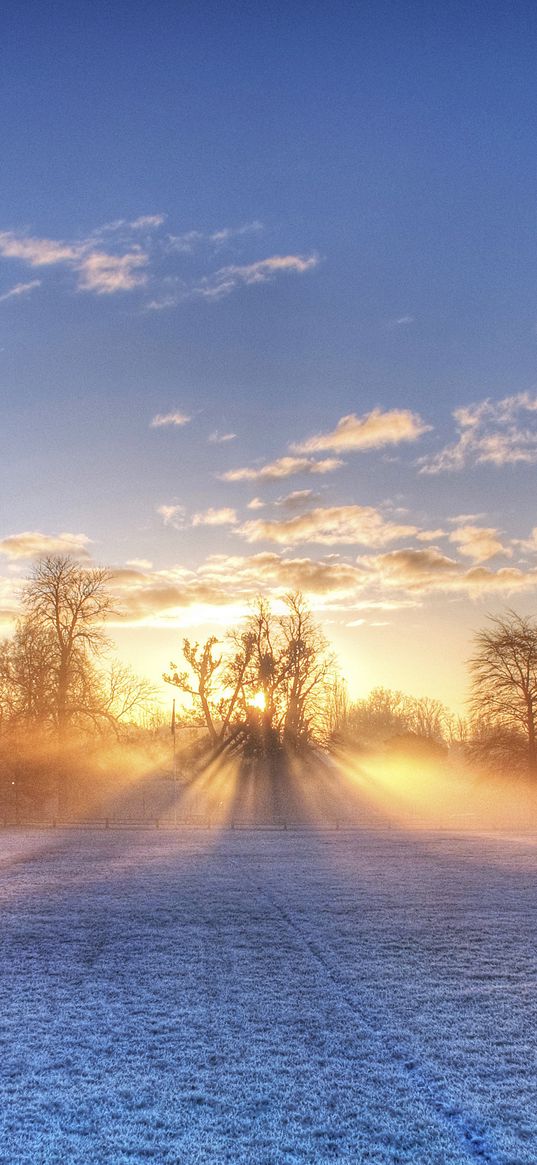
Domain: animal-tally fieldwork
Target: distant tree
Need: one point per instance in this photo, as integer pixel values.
(504, 683)
(382, 714)
(27, 679)
(386, 714)
(428, 718)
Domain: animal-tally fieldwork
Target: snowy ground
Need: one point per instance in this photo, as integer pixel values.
(267, 997)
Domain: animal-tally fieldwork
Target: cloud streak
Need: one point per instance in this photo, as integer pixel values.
(98, 271)
(329, 526)
(214, 517)
(164, 420)
(426, 571)
(282, 467)
(227, 279)
(20, 289)
(373, 430)
(33, 544)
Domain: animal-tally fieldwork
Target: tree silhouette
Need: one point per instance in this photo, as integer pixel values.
(67, 605)
(268, 684)
(504, 679)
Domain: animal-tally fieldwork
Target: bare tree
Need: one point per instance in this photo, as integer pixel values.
(269, 686)
(382, 714)
(200, 682)
(307, 670)
(428, 717)
(504, 679)
(66, 605)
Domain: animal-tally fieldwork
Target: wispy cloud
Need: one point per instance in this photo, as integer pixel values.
(34, 544)
(20, 289)
(217, 438)
(431, 535)
(191, 240)
(227, 279)
(282, 467)
(98, 271)
(215, 517)
(172, 515)
(297, 499)
(528, 545)
(130, 254)
(144, 223)
(330, 525)
(37, 252)
(162, 420)
(498, 433)
(373, 430)
(105, 274)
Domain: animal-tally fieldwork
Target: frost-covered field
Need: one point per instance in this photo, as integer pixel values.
(267, 997)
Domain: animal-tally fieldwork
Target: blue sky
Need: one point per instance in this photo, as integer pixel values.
(259, 220)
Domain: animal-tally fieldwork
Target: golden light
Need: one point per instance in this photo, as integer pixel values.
(258, 701)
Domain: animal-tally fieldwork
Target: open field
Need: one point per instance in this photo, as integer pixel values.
(268, 997)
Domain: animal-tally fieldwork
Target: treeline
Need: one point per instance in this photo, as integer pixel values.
(56, 677)
(267, 688)
(64, 702)
(499, 733)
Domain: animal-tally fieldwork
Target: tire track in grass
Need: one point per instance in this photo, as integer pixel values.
(472, 1137)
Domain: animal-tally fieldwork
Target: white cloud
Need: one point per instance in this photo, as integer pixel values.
(498, 433)
(106, 274)
(431, 535)
(147, 222)
(217, 438)
(163, 419)
(172, 515)
(98, 271)
(111, 260)
(37, 252)
(478, 542)
(34, 544)
(189, 241)
(330, 526)
(227, 582)
(163, 303)
(371, 431)
(282, 467)
(226, 279)
(255, 504)
(215, 517)
(424, 571)
(20, 289)
(297, 499)
(528, 545)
